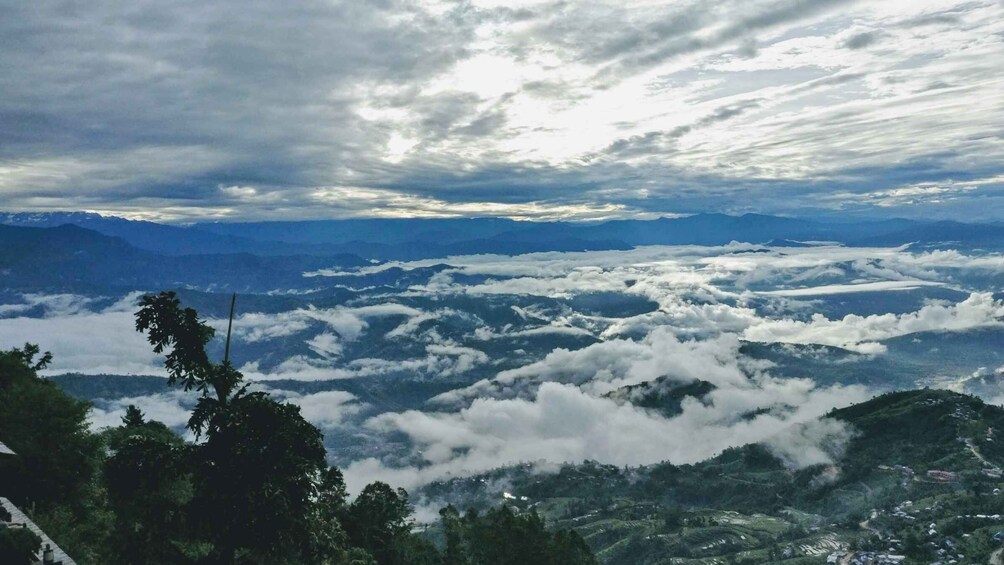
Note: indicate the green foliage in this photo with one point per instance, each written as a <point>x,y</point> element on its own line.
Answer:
<point>257,490</point>
<point>18,546</point>
<point>254,479</point>
<point>377,519</point>
<point>58,463</point>
<point>503,537</point>
<point>167,325</point>
<point>149,488</point>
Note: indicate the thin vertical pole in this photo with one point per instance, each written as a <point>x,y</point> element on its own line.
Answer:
<point>230,326</point>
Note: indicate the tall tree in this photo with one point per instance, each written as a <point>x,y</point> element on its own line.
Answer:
<point>256,473</point>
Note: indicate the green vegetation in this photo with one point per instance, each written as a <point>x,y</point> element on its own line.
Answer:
<point>255,488</point>
<point>745,506</point>
<point>18,546</point>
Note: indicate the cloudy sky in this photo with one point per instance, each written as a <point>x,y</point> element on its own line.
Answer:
<point>530,109</point>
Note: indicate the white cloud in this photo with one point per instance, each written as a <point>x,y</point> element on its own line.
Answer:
<point>327,409</point>
<point>609,365</point>
<point>173,408</point>
<point>851,288</point>
<point>255,326</point>
<point>86,342</point>
<point>326,345</point>
<point>811,443</point>
<point>862,333</point>
<point>565,424</point>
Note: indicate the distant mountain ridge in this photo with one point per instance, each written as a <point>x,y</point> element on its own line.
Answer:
<point>411,239</point>
<point>72,258</point>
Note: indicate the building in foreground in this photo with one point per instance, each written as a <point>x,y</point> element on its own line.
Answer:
<point>49,553</point>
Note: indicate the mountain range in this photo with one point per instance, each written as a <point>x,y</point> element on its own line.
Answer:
<point>410,239</point>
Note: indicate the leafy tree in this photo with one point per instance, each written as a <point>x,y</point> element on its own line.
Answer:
<point>168,325</point>
<point>47,429</point>
<point>18,546</point>
<point>149,487</point>
<point>255,477</point>
<point>133,417</point>
<point>503,537</point>
<point>59,459</point>
<point>455,552</point>
<point>329,542</point>
<point>377,519</point>
<point>255,474</point>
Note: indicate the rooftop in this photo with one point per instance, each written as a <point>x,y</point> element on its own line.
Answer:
<point>18,517</point>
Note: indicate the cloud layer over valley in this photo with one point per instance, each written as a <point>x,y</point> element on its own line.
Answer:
<point>454,366</point>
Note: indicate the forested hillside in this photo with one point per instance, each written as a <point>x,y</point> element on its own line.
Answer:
<point>747,506</point>
<point>254,488</point>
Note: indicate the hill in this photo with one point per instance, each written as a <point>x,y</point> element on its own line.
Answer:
<point>745,505</point>
<point>388,239</point>
<point>71,258</point>
<point>414,238</point>
<point>985,236</point>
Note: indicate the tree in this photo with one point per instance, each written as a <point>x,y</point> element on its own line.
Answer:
<point>377,518</point>
<point>504,537</point>
<point>149,484</point>
<point>254,479</point>
<point>256,472</point>
<point>329,543</point>
<point>18,546</point>
<point>149,488</point>
<point>133,417</point>
<point>168,325</point>
<point>59,459</point>
<point>455,552</point>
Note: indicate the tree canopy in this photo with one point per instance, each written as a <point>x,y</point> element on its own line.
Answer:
<point>255,489</point>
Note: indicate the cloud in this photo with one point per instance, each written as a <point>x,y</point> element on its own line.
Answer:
<point>564,424</point>
<point>815,442</point>
<point>851,288</point>
<point>862,333</point>
<point>327,409</point>
<point>552,110</point>
<point>172,408</point>
<point>255,327</point>
<point>53,305</point>
<point>440,360</point>
<point>862,40</point>
<point>606,366</point>
<point>82,341</point>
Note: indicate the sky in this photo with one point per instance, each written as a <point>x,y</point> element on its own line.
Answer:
<point>185,111</point>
